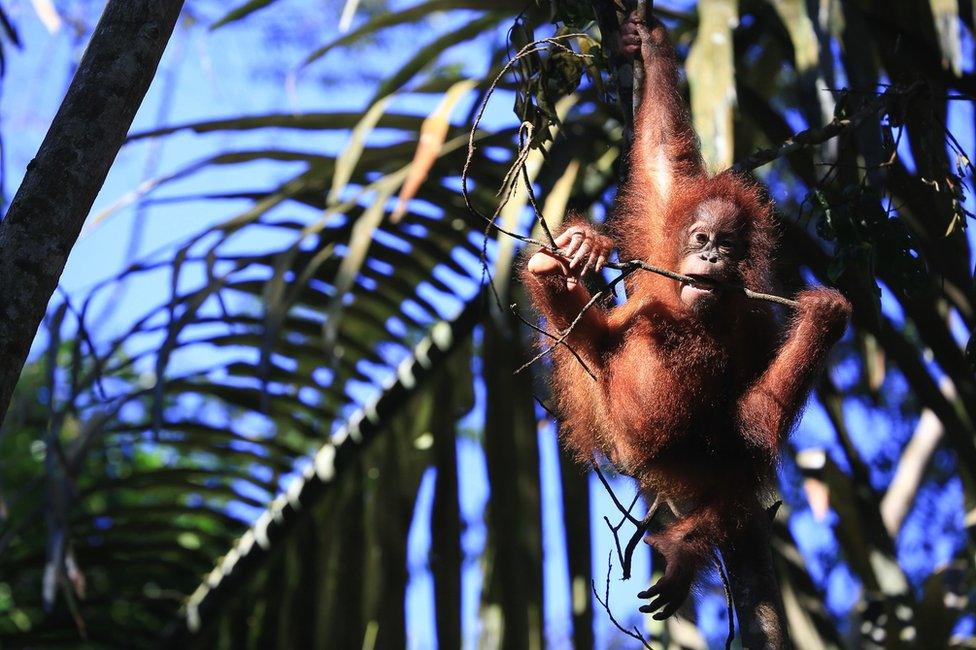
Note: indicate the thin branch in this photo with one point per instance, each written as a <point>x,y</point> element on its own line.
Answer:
<point>605,603</point>
<point>729,602</point>
<point>641,527</point>
<point>562,337</point>
<point>616,501</point>
<point>531,48</point>
<point>703,282</point>
<point>530,192</point>
<point>554,337</point>
<point>635,538</point>
<point>629,267</point>
<point>813,137</point>
<point>616,534</point>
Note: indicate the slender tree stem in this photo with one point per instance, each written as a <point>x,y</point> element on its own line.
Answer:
<point>62,181</point>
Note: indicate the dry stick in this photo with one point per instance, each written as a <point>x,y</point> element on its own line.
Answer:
<point>510,180</point>
<point>730,605</point>
<point>530,192</point>
<point>616,536</point>
<point>635,538</point>
<point>605,603</point>
<point>508,187</point>
<point>626,556</point>
<point>562,337</point>
<point>629,267</point>
<point>703,282</point>
<point>616,501</point>
<point>531,48</point>
<point>554,337</point>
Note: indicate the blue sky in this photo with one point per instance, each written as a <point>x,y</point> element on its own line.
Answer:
<point>242,69</point>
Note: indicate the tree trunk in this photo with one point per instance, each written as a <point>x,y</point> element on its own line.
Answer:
<point>64,178</point>
<point>755,589</point>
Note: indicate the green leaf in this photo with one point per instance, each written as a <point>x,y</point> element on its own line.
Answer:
<point>338,121</point>
<point>411,14</point>
<point>428,54</point>
<point>347,160</point>
<point>240,12</point>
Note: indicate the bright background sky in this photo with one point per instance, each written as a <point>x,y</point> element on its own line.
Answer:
<point>247,68</point>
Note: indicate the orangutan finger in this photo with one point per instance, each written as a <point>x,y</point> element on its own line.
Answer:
<point>581,253</point>
<point>575,242</point>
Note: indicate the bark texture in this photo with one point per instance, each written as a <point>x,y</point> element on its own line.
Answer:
<point>755,590</point>
<point>62,181</point>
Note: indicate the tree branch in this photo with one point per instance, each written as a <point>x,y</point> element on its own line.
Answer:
<point>633,633</point>
<point>64,178</point>
<point>755,588</point>
<point>915,458</point>
<point>813,137</point>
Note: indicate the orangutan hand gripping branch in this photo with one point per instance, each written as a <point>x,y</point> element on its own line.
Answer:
<point>696,388</point>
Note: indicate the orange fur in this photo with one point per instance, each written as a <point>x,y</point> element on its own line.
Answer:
<point>694,408</point>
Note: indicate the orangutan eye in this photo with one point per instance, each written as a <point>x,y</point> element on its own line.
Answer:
<point>727,245</point>
<point>700,238</point>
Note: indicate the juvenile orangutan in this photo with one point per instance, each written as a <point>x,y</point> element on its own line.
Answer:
<point>696,387</point>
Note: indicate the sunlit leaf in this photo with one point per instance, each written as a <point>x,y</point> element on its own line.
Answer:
<point>433,132</point>
<point>711,75</point>
<point>240,12</point>
<point>416,12</point>
<point>947,24</point>
<point>806,49</point>
<point>347,160</point>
